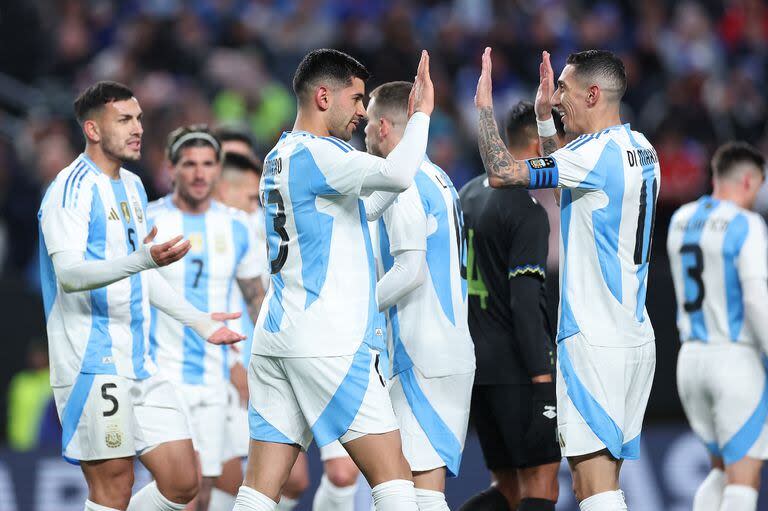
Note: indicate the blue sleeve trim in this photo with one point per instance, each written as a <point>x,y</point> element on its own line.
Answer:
<point>543,172</point>
<point>337,143</point>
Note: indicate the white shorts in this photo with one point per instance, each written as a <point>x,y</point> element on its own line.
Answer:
<point>293,400</point>
<point>724,391</point>
<point>108,416</point>
<point>206,409</point>
<point>237,440</point>
<point>602,393</point>
<point>332,451</point>
<point>433,414</point>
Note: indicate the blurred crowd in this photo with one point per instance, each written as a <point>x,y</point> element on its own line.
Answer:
<point>693,69</point>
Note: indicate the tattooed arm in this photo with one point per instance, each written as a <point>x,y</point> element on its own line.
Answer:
<point>253,294</point>
<point>502,170</point>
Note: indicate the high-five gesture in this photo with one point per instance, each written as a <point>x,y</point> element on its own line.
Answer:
<point>422,98</point>
<point>543,104</point>
<point>484,94</point>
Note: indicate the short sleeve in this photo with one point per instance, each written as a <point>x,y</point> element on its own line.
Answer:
<point>252,258</point>
<point>583,164</point>
<point>752,262</point>
<point>336,167</point>
<point>406,222</point>
<point>65,216</point>
<point>528,252</point>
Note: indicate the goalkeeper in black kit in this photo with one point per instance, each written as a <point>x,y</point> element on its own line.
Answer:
<point>513,401</point>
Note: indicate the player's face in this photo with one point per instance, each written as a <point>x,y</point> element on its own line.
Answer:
<point>243,193</point>
<point>347,110</point>
<point>569,100</point>
<point>196,172</point>
<point>372,138</point>
<point>120,128</point>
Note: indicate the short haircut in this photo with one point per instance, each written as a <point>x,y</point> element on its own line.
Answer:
<point>240,163</point>
<point>521,124</point>
<point>98,95</point>
<point>729,155</point>
<point>193,135</point>
<point>229,133</point>
<point>325,64</point>
<point>601,65</point>
<point>392,97</point>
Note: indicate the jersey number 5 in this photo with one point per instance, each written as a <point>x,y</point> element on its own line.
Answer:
<point>694,272</point>
<point>278,224</point>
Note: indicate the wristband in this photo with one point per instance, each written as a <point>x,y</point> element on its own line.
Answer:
<point>546,128</point>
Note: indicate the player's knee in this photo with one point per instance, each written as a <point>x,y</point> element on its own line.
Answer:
<point>341,472</point>
<point>115,488</point>
<point>297,483</point>
<point>184,487</point>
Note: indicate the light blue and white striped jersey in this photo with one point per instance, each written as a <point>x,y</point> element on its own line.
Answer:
<point>610,182</point>
<point>428,327</point>
<point>714,246</point>
<point>105,330</point>
<point>223,250</point>
<point>322,296</point>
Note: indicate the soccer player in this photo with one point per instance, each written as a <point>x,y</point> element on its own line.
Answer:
<point>513,401</point>
<point>718,252</point>
<point>609,176</point>
<point>421,248</point>
<point>223,254</point>
<point>237,140</point>
<point>314,368</point>
<point>98,280</point>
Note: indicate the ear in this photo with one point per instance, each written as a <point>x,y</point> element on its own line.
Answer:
<point>323,98</point>
<point>593,95</point>
<point>384,128</point>
<point>91,130</point>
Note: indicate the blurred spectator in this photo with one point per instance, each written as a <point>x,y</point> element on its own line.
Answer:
<point>29,393</point>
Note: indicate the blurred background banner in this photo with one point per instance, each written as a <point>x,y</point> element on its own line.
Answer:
<point>696,72</point>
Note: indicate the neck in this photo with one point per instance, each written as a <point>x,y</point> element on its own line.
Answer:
<point>106,164</point>
<point>389,144</point>
<point>725,192</point>
<point>604,120</point>
<point>195,208</point>
<point>311,123</point>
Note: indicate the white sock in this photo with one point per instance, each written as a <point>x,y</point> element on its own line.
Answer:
<point>431,500</point>
<point>149,498</point>
<point>330,497</point>
<point>92,506</point>
<point>395,495</point>
<point>285,504</point>
<point>220,500</point>
<point>710,492</point>
<point>738,497</point>
<point>249,499</point>
<point>605,501</point>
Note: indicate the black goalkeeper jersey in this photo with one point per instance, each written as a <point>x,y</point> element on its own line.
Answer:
<point>507,234</point>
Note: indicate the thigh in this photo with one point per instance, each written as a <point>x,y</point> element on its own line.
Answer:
<point>159,414</point>
<point>692,386</point>
<point>494,429</point>
<point>209,422</point>
<point>97,417</point>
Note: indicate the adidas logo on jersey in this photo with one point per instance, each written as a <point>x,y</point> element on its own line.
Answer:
<point>550,412</point>
<point>113,214</point>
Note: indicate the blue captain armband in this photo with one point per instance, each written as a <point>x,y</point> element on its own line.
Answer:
<point>543,172</point>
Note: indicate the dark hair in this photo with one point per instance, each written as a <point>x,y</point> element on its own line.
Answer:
<point>173,148</point>
<point>729,155</point>
<point>521,124</point>
<point>240,163</point>
<point>392,96</point>
<point>601,63</point>
<point>98,95</point>
<point>326,64</point>
<point>235,133</point>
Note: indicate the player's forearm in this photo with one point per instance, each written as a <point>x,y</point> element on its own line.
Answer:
<point>377,203</point>
<point>77,274</point>
<point>503,171</point>
<point>396,172</point>
<point>165,298</point>
<point>755,292</point>
<point>530,325</point>
<point>549,144</point>
<point>407,273</point>
<point>253,294</point>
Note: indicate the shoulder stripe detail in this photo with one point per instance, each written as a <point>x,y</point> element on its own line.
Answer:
<point>582,142</point>
<point>336,143</point>
<point>342,142</point>
<point>575,141</point>
<point>70,179</point>
<point>79,183</point>
<point>528,269</point>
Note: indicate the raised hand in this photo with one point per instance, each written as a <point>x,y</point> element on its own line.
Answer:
<point>543,104</point>
<point>484,94</point>
<point>422,98</point>
<point>168,252</point>
<point>224,335</point>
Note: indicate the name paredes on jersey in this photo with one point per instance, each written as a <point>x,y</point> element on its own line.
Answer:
<point>642,156</point>
<point>712,224</point>
<point>273,166</point>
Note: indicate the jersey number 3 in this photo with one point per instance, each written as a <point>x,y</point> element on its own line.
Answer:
<point>694,272</point>
<point>278,224</point>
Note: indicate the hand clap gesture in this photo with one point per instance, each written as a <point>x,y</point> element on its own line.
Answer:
<point>422,98</point>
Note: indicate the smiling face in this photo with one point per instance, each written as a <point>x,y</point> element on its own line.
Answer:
<point>570,100</point>
<point>119,129</point>
<point>346,110</point>
<point>195,174</point>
